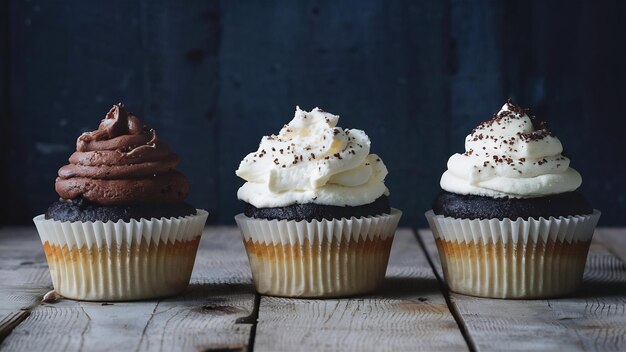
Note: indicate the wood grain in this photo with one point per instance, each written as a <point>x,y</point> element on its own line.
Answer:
<point>594,318</point>
<point>407,314</point>
<point>613,239</point>
<point>213,314</point>
<point>24,276</point>
<point>218,311</point>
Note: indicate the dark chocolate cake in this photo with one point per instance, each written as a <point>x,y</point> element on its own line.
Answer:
<point>478,207</point>
<point>82,210</point>
<point>313,211</point>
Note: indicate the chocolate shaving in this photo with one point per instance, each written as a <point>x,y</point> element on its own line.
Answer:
<point>51,297</point>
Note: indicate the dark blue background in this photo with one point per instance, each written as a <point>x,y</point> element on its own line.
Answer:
<point>214,76</point>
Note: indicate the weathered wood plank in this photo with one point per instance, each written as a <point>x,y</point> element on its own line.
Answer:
<point>408,314</point>
<point>23,274</point>
<point>213,314</point>
<point>218,311</point>
<point>594,318</point>
<point>613,239</point>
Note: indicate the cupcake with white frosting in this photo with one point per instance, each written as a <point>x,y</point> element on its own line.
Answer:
<point>509,222</point>
<point>316,220</point>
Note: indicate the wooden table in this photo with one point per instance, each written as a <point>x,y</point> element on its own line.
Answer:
<point>222,312</point>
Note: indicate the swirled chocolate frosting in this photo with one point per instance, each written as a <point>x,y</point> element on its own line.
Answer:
<point>122,162</point>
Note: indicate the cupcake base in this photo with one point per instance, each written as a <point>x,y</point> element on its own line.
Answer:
<point>121,272</point>
<point>326,269</point>
<point>522,259</point>
<point>327,258</point>
<point>121,261</point>
<point>530,270</point>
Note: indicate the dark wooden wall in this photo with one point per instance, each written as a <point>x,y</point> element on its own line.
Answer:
<point>214,76</point>
<point>5,129</point>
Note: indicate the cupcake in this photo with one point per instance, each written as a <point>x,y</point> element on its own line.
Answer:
<point>509,222</point>
<point>316,220</point>
<point>121,229</point>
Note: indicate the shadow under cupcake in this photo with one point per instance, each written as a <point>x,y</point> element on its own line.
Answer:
<point>317,220</point>
<point>509,223</point>
<point>121,229</point>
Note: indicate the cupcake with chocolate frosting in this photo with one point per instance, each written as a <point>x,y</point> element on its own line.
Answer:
<point>316,220</point>
<point>121,217</point>
<point>509,222</point>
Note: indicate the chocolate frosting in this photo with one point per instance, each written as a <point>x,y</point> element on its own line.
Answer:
<point>122,162</point>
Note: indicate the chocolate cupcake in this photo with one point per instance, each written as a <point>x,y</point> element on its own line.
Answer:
<point>509,222</point>
<point>121,229</point>
<point>317,220</point>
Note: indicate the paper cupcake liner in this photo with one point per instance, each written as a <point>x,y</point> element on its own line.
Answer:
<point>121,261</point>
<point>326,258</point>
<point>533,258</point>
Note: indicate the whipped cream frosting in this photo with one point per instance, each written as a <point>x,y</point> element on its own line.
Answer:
<point>513,156</point>
<point>311,160</point>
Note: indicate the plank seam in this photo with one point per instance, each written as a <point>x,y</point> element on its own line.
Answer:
<point>85,329</point>
<point>456,314</point>
<point>254,320</point>
<point>22,315</point>
<point>145,328</point>
<point>8,329</point>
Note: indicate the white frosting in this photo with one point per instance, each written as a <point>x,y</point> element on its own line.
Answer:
<point>507,157</point>
<point>312,161</point>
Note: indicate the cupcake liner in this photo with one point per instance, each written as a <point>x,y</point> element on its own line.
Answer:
<point>120,261</point>
<point>326,258</point>
<point>532,258</point>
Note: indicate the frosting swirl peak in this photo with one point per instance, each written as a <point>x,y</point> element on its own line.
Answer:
<point>312,160</point>
<point>511,155</point>
<point>122,162</point>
